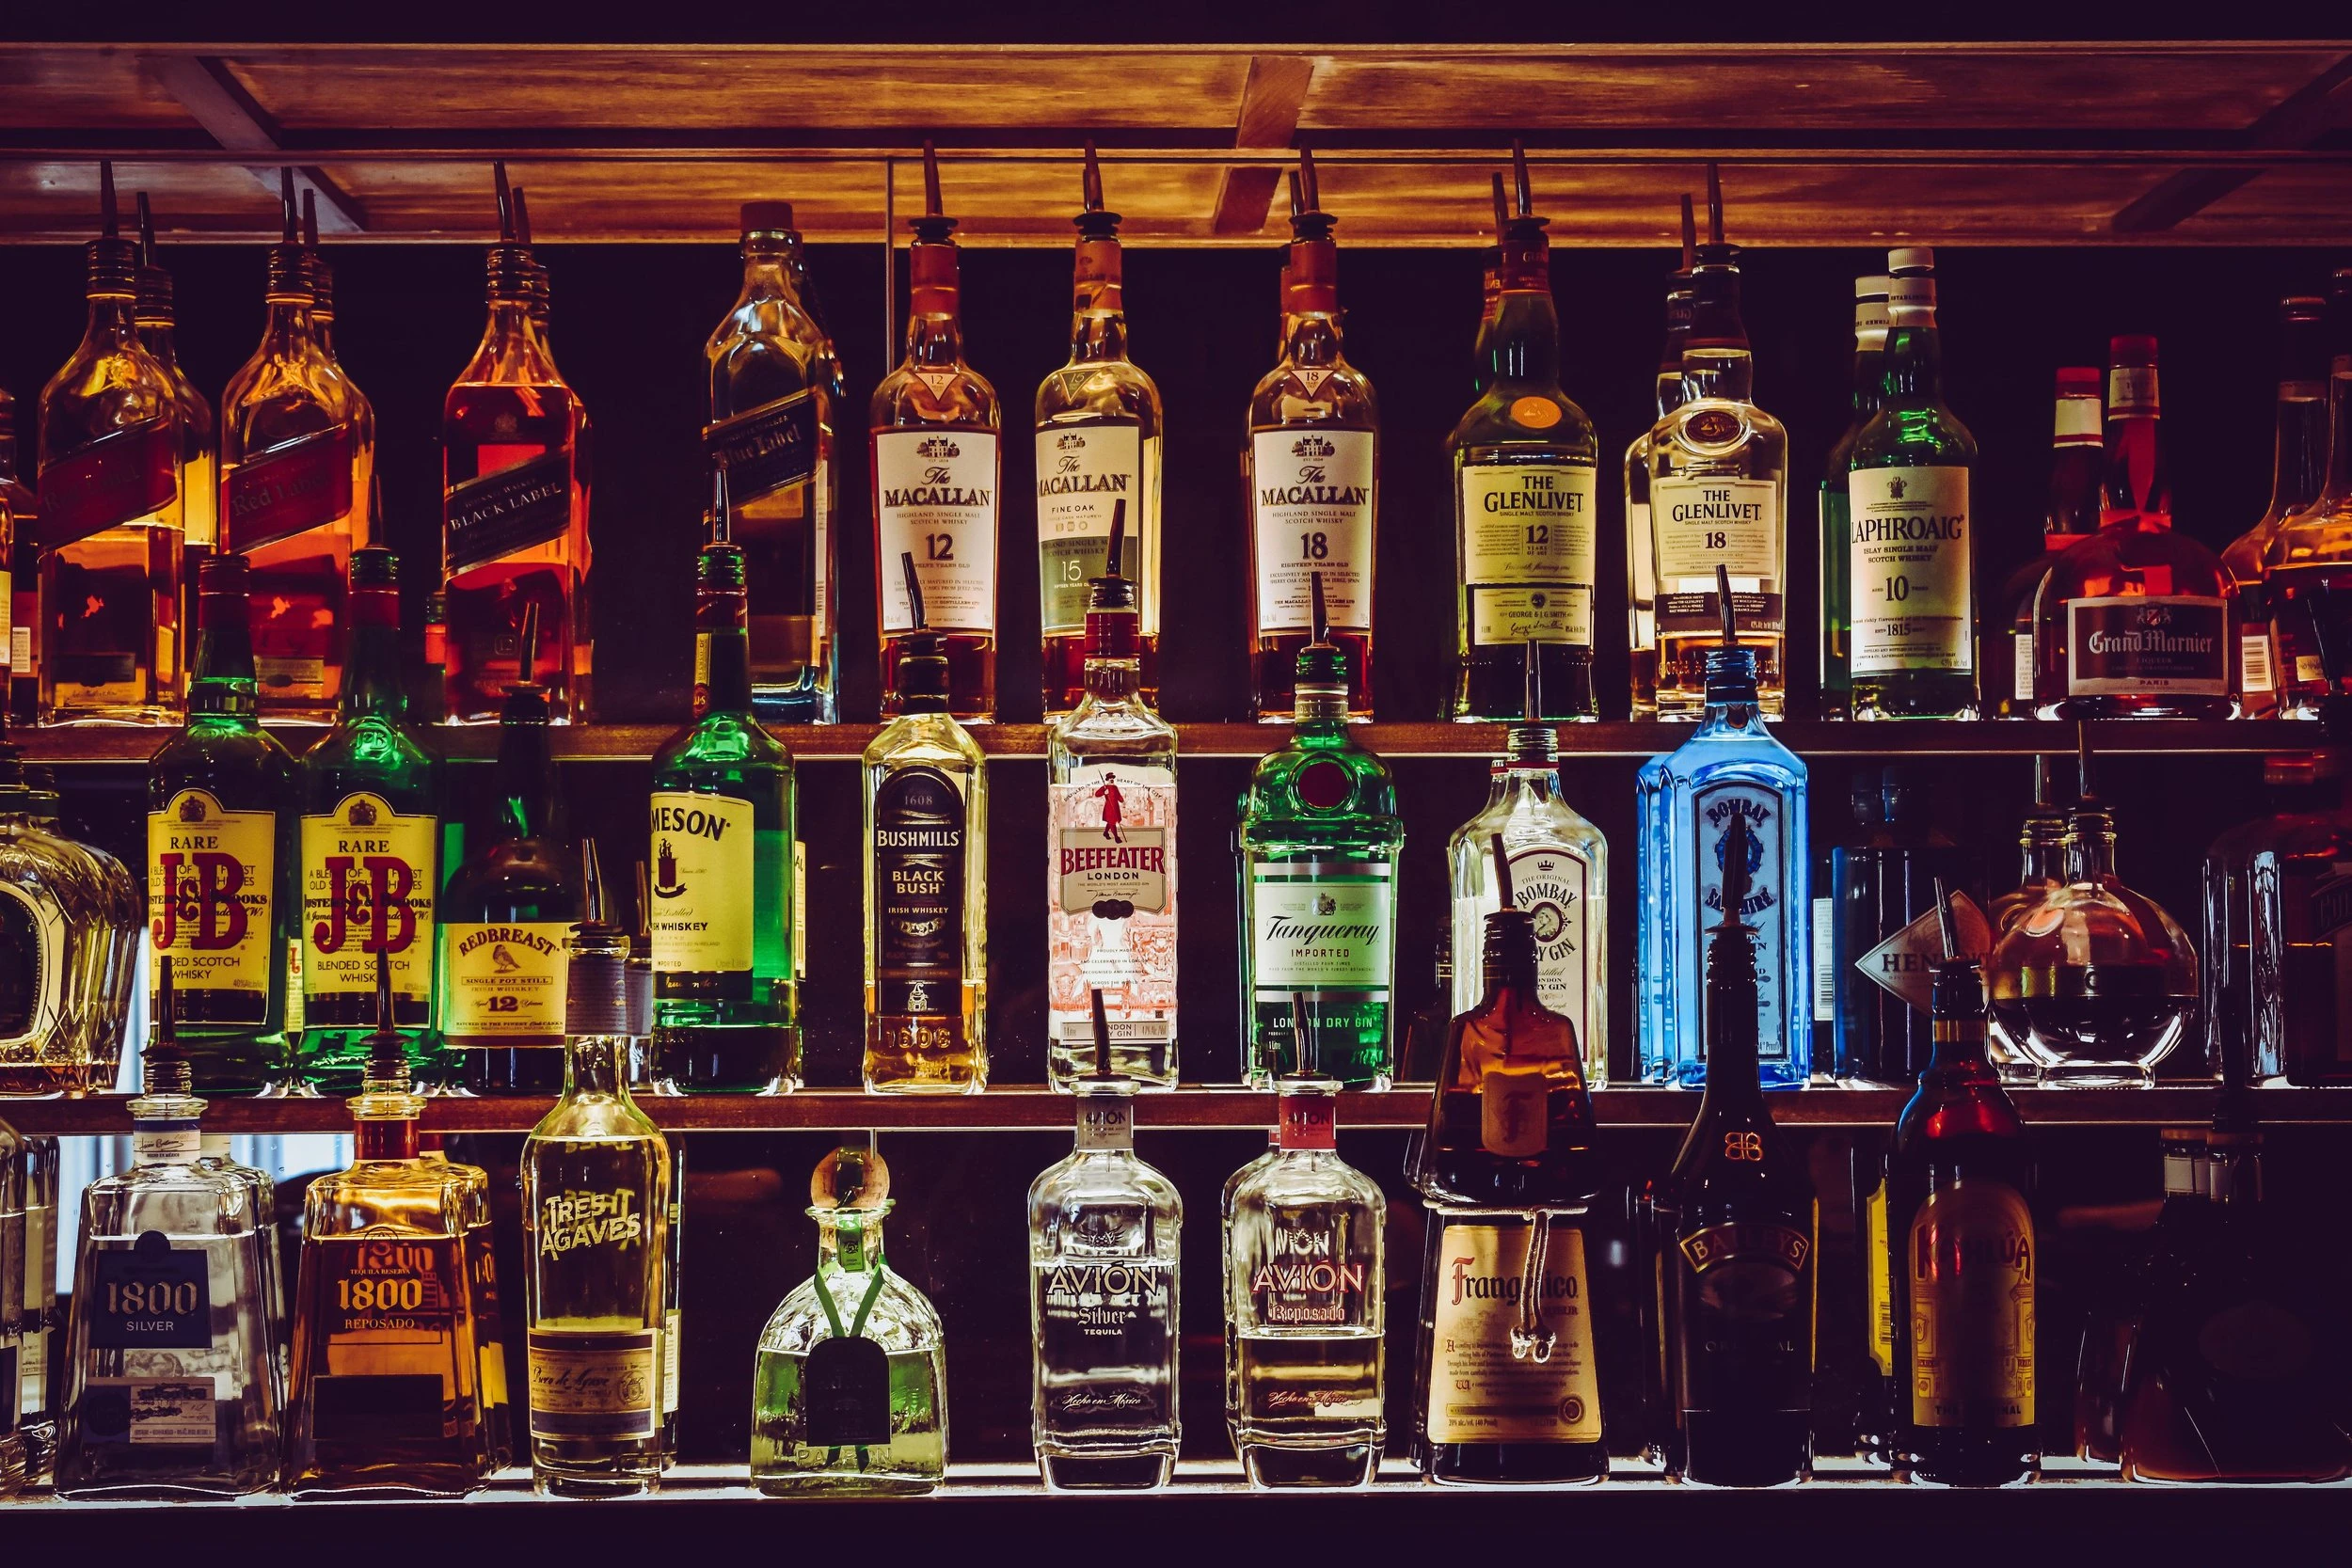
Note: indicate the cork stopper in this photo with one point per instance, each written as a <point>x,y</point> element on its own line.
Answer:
<point>849,1181</point>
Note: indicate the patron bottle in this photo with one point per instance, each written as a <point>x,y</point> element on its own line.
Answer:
<point>23,562</point>
<point>514,505</point>
<point>363,491</point>
<point>223,853</point>
<point>1312,473</point>
<point>198,447</point>
<point>2298,472</point>
<point>1526,468</point>
<point>2312,555</point>
<point>726,1001</point>
<point>2070,515</point>
<point>1320,839</point>
<point>936,423</point>
<point>1098,446</point>
<point>1870,370</point>
<point>111,509</point>
<point>771,421</point>
<point>926,879</point>
<point>1640,550</point>
<point>1737,1225</point>
<point>371,853</point>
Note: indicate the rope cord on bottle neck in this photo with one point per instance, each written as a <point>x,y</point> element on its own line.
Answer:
<point>1532,1339</point>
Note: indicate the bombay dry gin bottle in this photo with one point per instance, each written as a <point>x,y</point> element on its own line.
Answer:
<point>1736,1226</point>
<point>172,1381</point>
<point>595,1177</point>
<point>223,850</point>
<point>371,869</point>
<point>293,477</point>
<point>1103,1233</point>
<point>1110,906</point>
<point>1559,874</point>
<point>1311,471</point>
<point>1718,495</point>
<point>200,447</point>
<point>936,423</point>
<point>1640,550</point>
<point>770,419</point>
<point>925,881</point>
<point>1307,1298</point>
<point>1869,366</point>
<point>1098,446</point>
<point>726,1000</point>
<point>112,511</point>
<point>849,1387</point>
<point>1730,772</point>
<point>1320,839</point>
<point>1526,468</point>
<point>514,504</point>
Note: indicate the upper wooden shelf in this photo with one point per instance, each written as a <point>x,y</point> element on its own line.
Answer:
<point>2214,142</point>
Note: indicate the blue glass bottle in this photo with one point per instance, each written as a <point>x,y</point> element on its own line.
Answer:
<point>1731,767</point>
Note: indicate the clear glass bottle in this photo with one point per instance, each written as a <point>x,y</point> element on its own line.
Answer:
<point>1869,367</point>
<point>1307,1294</point>
<point>216,1155</point>
<point>1098,446</point>
<point>1104,1235</point>
<point>490,1322</point>
<point>2307,559</point>
<point>2276,992</point>
<point>199,497</point>
<point>849,1387</point>
<point>1640,550</point>
<point>771,417</point>
<point>596,1181</point>
<point>2070,515</point>
<point>1225,1258</point>
<point>60,964</point>
<point>171,1376</point>
<point>2298,472</point>
<point>1110,881</point>
<point>113,950</point>
<point>363,489</point>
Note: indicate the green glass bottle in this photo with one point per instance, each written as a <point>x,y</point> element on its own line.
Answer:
<point>370,851</point>
<point>1911,586</point>
<point>1320,839</point>
<point>725,1001</point>
<point>221,857</point>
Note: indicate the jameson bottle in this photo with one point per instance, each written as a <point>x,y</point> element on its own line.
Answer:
<point>1526,468</point>
<point>726,1003</point>
<point>222,852</point>
<point>507,915</point>
<point>1870,365</point>
<point>1098,446</point>
<point>370,852</point>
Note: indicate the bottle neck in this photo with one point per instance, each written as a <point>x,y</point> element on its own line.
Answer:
<point>372,684</point>
<point>2094,839</point>
<point>2043,842</point>
<point>851,1245</point>
<point>1727,374</point>
<point>1523,345</point>
<point>934,320</point>
<point>222,681</point>
<point>1733,1075</point>
<point>767,269</point>
<point>1869,373</point>
<point>386,1138</point>
<point>723,669</point>
<point>113,320</point>
<point>1098,314</point>
<point>289,330</point>
<point>2340,427</point>
<point>1319,708</point>
<point>1536,781</point>
<point>1113,680</point>
<point>1956,1014</point>
<point>526,778</point>
<point>1914,372</point>
<point>155,336</point>
<point>592,1065</point>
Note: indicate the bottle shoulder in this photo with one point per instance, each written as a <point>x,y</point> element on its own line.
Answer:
<point>1307,1181</point>
<point>372,753</point>
<point>934,739</point>
<point>1097,391</point>
<point>1528,822</point>
<point>904,401</point>
<point>1521,422</point>
<point>900,1320</point>
<point>1925,436</point>
<point>237,757</point>
<point>600,1119</point>
<point>730,740</point>
<point>1128,730</point>
<point>1341,397</point>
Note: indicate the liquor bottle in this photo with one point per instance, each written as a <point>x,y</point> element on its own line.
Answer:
<point>38,1162</point>
<point>1308,1299</point>
<point>1526,470</point>
<point>926,877</point>
<point>514,504</point>
<point>2298,471</point>
<point>506,914</point>
<point>13,1457</point>
<point>1559,872</point>
<point>22,560</point>
<point>363,492</point>
<point>1909,568</point>
<point>384,1395</point>
<point>1836,513</point>
<point>1110,905</point>
<point>1225,1258</point>
<point>57,895</point>
<point>1312,476</point>
<point>111,506</point>
<point>291,461</point>
<point>2119,1297</point>
<point>371,847</point>
<point>726,1007</point>
<point>199,455</point>
<point>1963,1254</point>
<point>490,1322</point>
<point>2275,993</point>
<point>1098,446</point>
<point>171,1379</point>
<point>222,855</point>
<point>595,1177</point>
<point>673,1320</point>
<point>1737,1227</point>
<point>215,1155</point>
<point>1731,770</point>
<point>2138,619</point>
<point>2070,515</point>
<point>771,417</point>
<point>116,935</point>
<point>2045,842</point>
<point>934,424</point>
<point>849,1387</point>
<point>1719,494</point>
<point>1489,292</point>
<point>1319,840</point>
<point>1641,551</point>
<point>1103,1234</point>
<point>2307,560</point>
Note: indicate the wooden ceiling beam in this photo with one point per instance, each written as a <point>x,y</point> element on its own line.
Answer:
<point>1272,99</point>
<point>215,100</point>
<point>2312,111</point>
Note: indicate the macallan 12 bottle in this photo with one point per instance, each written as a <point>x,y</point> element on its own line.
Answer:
<point>935,427</point>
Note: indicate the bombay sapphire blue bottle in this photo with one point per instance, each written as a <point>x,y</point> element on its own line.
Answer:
<point>1730,768</point>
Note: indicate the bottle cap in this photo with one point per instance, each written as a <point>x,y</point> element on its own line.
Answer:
<point>767,217</point>
<point>853,1181</point>
<point>1322,663</point>
<point>933,228</point>
<point>922,653</point>
<point>596,986</point>
<point>112,263</point>
<point>2131,349</point>
<point>1910,259</point>
<point>2079,381</point>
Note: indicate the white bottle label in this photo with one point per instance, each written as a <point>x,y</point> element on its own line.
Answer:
<point>1479,1390</point>
<point>1553,883</point>
<point>1716,520</point>
<point>2255,672</point>
<point>1528,552</point>
<point>1907,567</point>
<point>1111,907</point>
<point>935,498</point>
<point>2021,666</point>
<point>1321,927</point>
<point>1311,512</point>
<point>1083,473</point>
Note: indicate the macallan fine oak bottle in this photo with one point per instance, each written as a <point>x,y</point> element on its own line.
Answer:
<point>514,505</point>
<point>1312,473</point>
<point>935,425</point>
<point>1640,550</point>
<point>1098,445</point>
